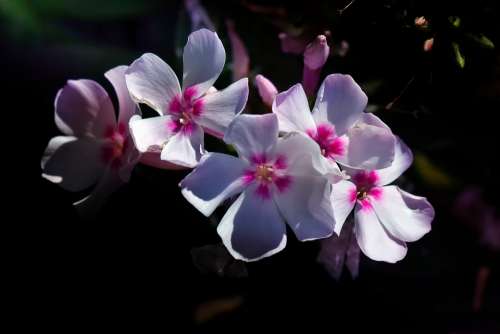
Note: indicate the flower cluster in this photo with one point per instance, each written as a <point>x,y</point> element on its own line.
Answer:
<point>294,167</point>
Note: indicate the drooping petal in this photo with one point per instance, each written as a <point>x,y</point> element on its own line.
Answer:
<point>128,108</point>
<point>203,60</point>
<point>306,206</point>
<point>220,108</point>
<point>340,101</point>
<point>252,228</point>
<point>343,199</point>
<point>150,134</point>
<point>151,81</point>
<point>293,111</point>
<point>253,134</point>
<point>369,147</point>
<point>405,216</point>
<point>184,149</point>
<point>216,178</point>
<point>373,239</point>
<point>403,157</point>
<point>74,164</point>
<point>83,108</point>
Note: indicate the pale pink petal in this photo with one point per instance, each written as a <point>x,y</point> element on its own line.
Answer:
<point>293,111</point>
<point>241,60</point>
<point>403,157</point>
<point>343,199</point>
<point>83,108</point>
<point>184,149</point>
<point>150,134</point>
<point>203,60</point>
<point>252,228</point>
<point>405,216</point>
<point>151,81</point>
<point>371,119</point>
<point>128,107</point>
<point>373,239</point>
<point>267,90</point>
<point>216,178</point>
<point>340,101</point>
<point>74,164</point>
<point>253,134</point>
<point>220,108</point>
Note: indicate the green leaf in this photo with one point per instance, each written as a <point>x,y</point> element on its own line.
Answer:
<point>459,58</point>
<point>482,40</point>
<point>432,174</point>
<point>455,21</point>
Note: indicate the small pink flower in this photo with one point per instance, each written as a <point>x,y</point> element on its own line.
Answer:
<point>278,179</point>
<point>267,90</point>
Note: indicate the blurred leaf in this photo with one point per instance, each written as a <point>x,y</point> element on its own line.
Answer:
<point>482,40</point>
<point>213,308</point>
<point>459,58</point>
<point>455,21</point>
<point>431,174</point>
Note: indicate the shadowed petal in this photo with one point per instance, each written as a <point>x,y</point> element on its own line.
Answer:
<point>128,108</point>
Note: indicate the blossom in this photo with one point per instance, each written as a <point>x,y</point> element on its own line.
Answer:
<point>338,124</point>
<point>385,217</point>
<point>178,133</point>
<point>266,88</point>
<point>276,179</point>
<point>96,149</point>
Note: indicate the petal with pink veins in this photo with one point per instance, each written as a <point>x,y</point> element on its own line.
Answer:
<point>203,60</point>
<point>292,109</point>
<point>343,199</point>
<point>405,216</point>
<point>184,149</point>
<point>83,108</point>
<point>127,107</point>
<point>216,178</point>
<point>151,81</point>
<point>252,228</point>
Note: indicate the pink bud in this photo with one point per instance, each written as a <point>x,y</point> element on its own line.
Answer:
<point>421,22</point>
<point>267,90</point>
<point>316,53</point>
<point>241,60</point>
<point>428,44</point>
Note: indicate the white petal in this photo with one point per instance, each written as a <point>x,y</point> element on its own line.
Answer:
<point>150,133</point>
<point>369,147</point>
<point>220,108</point>
<point>343,199</point>
<point>405,216</point>
<point>307,208</point>
<point>292,109</point>
<point>74,164</point>
<point>216,178</point>
<point>128,107</point>
<point>252,228</point>
<point>203,60</point>
<point>83,108</point>
<point>373,239</point>
<point>340,101</point>
<point>184,149</point>
<point>371,119</point>
<point>403,157</point>
<point>253,134</point>
<point>151,81</point>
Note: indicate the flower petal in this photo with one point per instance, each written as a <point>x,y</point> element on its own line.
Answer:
<point>293,111</point>
<point>151,81</point>
<point>373,239</point>
<point>253,134</point>
<point>252,228</point>
<point>83,108</point>
<point>74,164</point>
<point>340,101</point>
<point>128,108</point>
<point>150,134</point>
<point>203,60</point>
<point>403,157</point>
<point>307,208</point>
<point>405,216</point>
<point>216,178</point>
<point>343,199</point>
<point>371,119</point>
<point>184,149</point>
<point>220,108</point>
<point>369,147</point>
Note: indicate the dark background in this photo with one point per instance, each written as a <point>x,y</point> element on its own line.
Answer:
<point>131,267</point>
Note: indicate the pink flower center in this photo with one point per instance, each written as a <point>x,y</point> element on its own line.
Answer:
<point>116,144</point>
<point>366,187</point>
<point>269,174</point>
<point>331,145</point>
<point>185,109</point>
